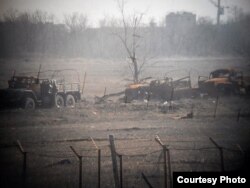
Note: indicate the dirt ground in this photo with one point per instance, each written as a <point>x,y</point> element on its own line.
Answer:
<point>47,134</point>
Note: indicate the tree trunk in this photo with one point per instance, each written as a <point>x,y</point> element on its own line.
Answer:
<point>136,72</point>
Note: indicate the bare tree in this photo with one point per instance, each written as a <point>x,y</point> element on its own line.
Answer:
<point>10,15</point>
<point>131,39</point>
<point>41,17</point>
<point>75,22</point>
<point>236,13</point>
<point>110,22</point>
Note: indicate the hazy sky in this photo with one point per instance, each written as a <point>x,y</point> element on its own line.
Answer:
<point>97,9</point>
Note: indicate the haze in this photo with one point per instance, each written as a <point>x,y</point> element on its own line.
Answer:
<point>98,9</point>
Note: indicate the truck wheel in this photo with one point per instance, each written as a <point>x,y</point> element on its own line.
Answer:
<point>29,104</point>
<point>70,101</point>
<point>59,101</point>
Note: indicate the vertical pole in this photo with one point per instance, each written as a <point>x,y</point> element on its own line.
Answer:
<point>24,162</point>
<point>99,168</point>
<point>114,161</point>
<point>216,104</point>
<point>169,168</point>
<point>165,166</point>
<point>99,162</point>
<point>104,93</point>
<point>121,170</point>
<point>218,13</point>
<point>80,165</point>
<point>83,84</point>
<point>221,159</point>
<point>221,154</point>
<point>38,74</point>
<point>24,167</point>
<point>80,171</point>
<point>166,154</point>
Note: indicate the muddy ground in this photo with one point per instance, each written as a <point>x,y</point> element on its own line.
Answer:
<point>47,134</point>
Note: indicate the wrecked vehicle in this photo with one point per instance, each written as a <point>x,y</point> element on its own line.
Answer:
<point>224,82</point>
<point>161,89</point>
<point>68,92</point>
<point>30,92</point>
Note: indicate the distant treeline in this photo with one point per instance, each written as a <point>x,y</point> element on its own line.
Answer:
<point>27,34</point>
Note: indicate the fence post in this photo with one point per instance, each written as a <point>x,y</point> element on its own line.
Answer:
<point>216,104</point>
<point>24,163</point>
<point>80,165</point>
<point>99,162</point>
<point>169,167</point>
<point>80,171</point>
<point>114,161</point>
<point>221,153</point>
<point>121,170</point>
<point>99,168</point>
<point>166,153</point>
<point>165,165</point>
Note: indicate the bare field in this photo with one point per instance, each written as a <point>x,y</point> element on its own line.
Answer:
<point>47,134</point>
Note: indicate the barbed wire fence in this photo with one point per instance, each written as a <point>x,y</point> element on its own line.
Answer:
<point>140,162</point>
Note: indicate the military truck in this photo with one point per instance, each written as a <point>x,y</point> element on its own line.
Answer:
<point>226,81</point>
<point>30,92</point>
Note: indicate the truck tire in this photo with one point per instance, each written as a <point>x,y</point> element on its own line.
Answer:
<point>29,104</point>
<point>59,101</point>
<point>70,101</point>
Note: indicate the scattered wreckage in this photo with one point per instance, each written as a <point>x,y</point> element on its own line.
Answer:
<point>219,82</point>
<point>30,92</point>
<point>224,82</point>
<point>165,89</point>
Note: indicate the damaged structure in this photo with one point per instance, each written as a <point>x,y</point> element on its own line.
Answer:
<point>224,82</point>
<point>161,89</point>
